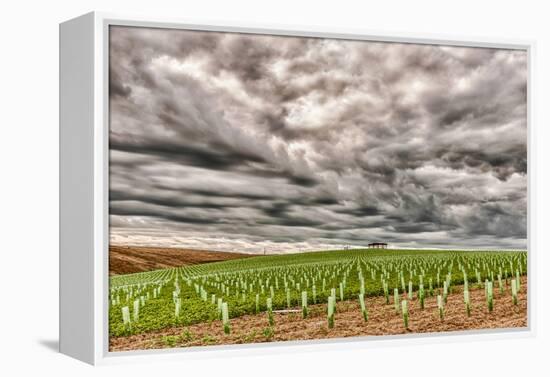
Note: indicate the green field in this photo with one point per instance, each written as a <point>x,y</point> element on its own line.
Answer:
<point>187,295</point>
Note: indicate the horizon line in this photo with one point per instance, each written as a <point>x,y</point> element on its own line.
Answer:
<point>260,253</point>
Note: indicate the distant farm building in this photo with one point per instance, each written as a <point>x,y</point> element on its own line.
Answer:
<point>378,245</point>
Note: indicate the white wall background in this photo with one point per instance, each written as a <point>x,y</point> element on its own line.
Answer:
<point>29,184</point>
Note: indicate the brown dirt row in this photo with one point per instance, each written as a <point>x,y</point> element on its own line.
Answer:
<point>349,322</point>
<point>131,259</point>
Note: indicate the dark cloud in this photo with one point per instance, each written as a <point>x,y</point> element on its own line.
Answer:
<point>237,141</point>
<point>142,210</point>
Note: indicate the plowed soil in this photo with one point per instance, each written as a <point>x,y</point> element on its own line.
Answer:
<point>383,320</point>
<point>130,259</point>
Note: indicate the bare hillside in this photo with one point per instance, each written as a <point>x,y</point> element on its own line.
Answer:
<point>130,259</point>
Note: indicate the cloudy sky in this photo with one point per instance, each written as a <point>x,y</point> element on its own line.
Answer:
<point>239,142</point>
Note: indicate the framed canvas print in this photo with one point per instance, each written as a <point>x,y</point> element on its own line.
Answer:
<point>227,188</point>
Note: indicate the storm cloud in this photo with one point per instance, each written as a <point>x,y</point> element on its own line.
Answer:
<point>241,142</point>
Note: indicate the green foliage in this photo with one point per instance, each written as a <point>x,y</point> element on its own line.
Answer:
<point>151,298</point>
<point>208,340</point>
<point>187,336</point>
<point>268,333</point>
<point>170,340</point>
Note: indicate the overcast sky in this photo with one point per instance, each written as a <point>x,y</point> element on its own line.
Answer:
<point>239,142</point>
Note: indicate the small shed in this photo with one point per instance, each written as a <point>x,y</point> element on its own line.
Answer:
<point>378,245</point>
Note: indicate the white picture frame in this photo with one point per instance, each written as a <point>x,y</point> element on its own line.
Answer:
<point>84,189</point>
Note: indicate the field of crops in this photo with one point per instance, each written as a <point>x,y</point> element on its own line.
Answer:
<point>262,285</point>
